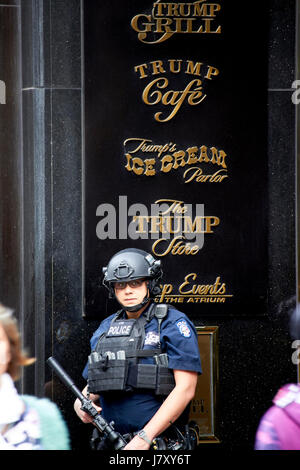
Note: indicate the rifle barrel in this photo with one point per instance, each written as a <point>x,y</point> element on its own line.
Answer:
<point>65,378</point>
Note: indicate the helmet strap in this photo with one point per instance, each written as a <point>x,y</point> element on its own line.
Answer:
<point>136,308</point>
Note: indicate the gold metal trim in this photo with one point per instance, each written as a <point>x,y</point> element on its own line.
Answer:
<point>204,405</point>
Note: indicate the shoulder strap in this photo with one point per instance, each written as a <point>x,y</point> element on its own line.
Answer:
<point>159,311</point>
<point>117,316</point>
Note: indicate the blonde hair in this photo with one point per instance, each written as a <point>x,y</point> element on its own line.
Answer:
<point>18,356</point>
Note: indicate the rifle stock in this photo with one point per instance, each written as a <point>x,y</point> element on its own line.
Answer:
<point>86,405</point>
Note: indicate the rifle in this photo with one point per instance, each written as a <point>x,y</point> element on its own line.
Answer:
<point>86,405</point>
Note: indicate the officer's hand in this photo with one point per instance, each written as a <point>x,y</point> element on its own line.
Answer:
<point>85,417</point>
<point>137,443</point>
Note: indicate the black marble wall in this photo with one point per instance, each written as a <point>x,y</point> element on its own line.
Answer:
<point>52,153</point>
<point>41,215</point>
<point>10,157</point>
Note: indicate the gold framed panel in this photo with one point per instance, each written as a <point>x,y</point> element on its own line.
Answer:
<point>202,415</point>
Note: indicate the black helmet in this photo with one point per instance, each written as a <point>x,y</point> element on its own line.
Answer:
<point>130,264</point>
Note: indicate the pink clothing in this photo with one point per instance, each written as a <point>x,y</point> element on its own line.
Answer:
<point>279,428</point>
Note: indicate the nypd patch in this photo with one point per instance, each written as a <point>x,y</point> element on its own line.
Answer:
<point>183,328</point>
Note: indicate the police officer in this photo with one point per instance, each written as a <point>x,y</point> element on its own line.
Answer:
<point>143,369</point>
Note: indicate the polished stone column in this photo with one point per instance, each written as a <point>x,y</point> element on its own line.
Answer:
<point>10,157</point>
<point>52,152</point>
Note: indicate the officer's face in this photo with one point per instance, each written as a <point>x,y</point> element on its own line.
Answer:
<point>132,294</point>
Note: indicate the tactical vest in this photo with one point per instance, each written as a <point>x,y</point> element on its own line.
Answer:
<point>115,362</point>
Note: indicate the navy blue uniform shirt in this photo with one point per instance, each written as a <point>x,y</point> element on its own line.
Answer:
<point>132,410</point>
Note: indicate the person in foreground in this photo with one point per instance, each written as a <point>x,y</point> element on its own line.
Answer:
<point>26,422</point>
<point>143,369</point>
<point>279,428</point>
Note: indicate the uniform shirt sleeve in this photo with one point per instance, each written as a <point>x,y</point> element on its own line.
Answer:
<point>180,341</point>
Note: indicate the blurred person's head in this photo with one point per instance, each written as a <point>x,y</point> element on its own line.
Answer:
<point>12,356</point>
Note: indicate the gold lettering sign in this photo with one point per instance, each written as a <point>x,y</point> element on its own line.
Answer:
<point>165,158</point>
<point>176,220</point>
<point>177,228</point>
<point>194,290</point>
<point>171,18</point>
<point>159,92</point>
